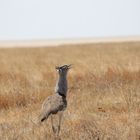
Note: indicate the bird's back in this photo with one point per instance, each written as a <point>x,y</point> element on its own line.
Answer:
<point>52,105</point>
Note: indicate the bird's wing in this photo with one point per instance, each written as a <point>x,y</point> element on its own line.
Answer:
<point>51,105</point>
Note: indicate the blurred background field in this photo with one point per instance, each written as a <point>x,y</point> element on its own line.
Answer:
<point>103,98</point>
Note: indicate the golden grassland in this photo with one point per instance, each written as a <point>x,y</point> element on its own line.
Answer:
<point>103,97</point>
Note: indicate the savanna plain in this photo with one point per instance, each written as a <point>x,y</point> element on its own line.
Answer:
<point>103,95</point>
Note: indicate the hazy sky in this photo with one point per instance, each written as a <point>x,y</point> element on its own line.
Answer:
<point>47,19</point>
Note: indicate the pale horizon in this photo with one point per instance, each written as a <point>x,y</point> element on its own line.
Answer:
<point>68,41</point>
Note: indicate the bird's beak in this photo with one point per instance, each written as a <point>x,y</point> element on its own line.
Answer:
<point>70,66</point>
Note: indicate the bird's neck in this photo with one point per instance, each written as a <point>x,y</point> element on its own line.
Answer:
<point>61,85</point>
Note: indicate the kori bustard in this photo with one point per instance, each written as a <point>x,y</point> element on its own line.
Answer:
<point>57,103</point>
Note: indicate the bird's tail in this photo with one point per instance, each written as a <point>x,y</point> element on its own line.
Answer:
<point>43,116</point>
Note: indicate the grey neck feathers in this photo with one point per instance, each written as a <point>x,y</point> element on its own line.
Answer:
<point>61,85</point>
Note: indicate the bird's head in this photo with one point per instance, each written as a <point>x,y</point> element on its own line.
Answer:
<point>62,70</point>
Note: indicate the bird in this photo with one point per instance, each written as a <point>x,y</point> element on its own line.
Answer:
<point>56,104</point>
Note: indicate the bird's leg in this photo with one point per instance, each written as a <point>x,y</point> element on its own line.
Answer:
<point>53,127</point>
<point>60,115</point>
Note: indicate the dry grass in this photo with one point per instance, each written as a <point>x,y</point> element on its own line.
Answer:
<point>103,99</point>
